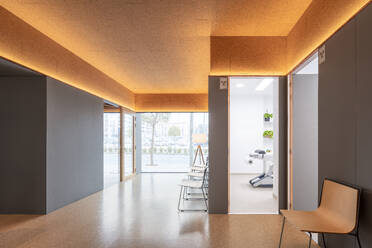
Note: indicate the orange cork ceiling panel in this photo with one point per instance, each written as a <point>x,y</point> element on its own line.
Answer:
<point>248,55</point>
<point>252,55</point>
<point>163,46</point>
<point>157,46</point>
<point>25,45</point>
<point>257,17</point>
<point>319,22</point>
<point>172,102</point>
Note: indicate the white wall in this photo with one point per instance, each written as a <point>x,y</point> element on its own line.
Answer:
<point>246,129</point>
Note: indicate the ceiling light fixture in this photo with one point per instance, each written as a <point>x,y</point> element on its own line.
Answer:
<point>239,85</point>
<point>263,84</point>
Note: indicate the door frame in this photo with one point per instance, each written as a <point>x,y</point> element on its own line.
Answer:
<point>303,63</point>
<point>283,139</point>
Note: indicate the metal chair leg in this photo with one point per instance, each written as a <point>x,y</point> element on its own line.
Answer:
<point>185,190</point>
<point>324,243</point>
<point>281,233</point>
<point>357,236</point>
<point>310,238</point>
<point>179,199</point>
<point>205,200</point>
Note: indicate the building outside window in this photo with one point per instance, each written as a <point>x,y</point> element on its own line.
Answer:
<point>111,145</point>
<point>167,140</point>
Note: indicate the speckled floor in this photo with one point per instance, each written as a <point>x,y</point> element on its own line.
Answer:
<point>141,212</point>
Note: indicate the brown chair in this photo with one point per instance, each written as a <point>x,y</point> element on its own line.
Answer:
<point>338,212</point>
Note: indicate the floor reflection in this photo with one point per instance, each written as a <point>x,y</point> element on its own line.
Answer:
<point>142,212</point>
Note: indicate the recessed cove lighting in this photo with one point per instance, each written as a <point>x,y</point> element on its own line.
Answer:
<point>239,85</point>
<point>264,83</point>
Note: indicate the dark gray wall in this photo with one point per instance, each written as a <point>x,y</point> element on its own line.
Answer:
<point>51,143</point>
<point>345,116</point>
<point>218,147</point>
<point>305,141</point>
<point>364,120</point>
<point>8,68</point>
<point>74,144</point>
<point>22,144</point>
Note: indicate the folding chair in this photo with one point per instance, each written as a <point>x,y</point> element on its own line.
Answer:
<point>194,184</point>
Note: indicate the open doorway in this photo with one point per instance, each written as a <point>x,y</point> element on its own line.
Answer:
<point>253,160</point>
<point>305,135</point>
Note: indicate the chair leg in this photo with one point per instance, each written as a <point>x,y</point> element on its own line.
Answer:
<point>323,238</point>
<point>310,238</point>
<point>281,233</point>
<point>205,199</point>
<point>179,199</point>
<point>357,236</point>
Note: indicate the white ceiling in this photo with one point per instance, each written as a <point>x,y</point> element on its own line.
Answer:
<point>247,86</point>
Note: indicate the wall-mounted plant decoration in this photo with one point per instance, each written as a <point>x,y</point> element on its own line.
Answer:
<point>268,116</point>
<point>268,134</point>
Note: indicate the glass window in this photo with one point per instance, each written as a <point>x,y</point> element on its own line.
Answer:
<point>128,144</point>
<point>200,134</point>
<point>111,144</point>
<point>167,140</point>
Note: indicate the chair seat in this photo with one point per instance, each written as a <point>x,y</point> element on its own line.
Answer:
<point>318,221</point>
<point>195,174</point>
<point>191,183</point>
<point>198,168</point>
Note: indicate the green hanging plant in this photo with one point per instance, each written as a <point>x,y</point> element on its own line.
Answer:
<point>268,116</point>
<point>268,134</point>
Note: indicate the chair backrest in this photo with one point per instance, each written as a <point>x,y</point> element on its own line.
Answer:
<point>341,201</point>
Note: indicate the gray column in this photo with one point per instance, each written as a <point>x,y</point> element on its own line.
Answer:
<point>218,147</point>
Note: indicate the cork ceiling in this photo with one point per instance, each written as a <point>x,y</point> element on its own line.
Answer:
<point>154,46</point>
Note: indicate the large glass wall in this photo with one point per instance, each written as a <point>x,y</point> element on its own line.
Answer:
<point>128,144</point>
<point>111,145</point>
<point>169,140</point>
